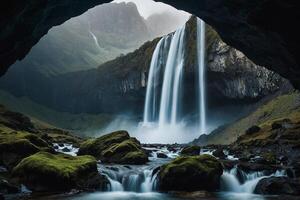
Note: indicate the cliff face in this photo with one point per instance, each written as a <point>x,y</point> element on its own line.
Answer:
<point>263,30</point>
<point>120,85</point>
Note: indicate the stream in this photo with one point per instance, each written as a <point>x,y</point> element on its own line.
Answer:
<point>138,182</point>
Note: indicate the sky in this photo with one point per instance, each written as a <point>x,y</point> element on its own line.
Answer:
<point>149,7</point>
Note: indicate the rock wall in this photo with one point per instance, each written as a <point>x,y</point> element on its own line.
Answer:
<point>120,85</point>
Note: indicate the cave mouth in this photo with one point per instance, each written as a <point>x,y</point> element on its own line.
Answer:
<point>99,64</point>
<point>138,100</point>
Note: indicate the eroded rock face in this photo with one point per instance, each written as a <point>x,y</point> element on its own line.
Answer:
<point>263,30</point>
<point>184,173</point>
<point>120,85</point>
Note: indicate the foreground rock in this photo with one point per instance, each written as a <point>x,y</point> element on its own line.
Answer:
<point>14,146</point>
<point>116,147</point>
<point>192,173</point>
<point>190,151</point>
<point>278,186</point>
<point>48,172</point>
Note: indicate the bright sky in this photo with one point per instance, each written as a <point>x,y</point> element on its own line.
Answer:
<point>149,7</point>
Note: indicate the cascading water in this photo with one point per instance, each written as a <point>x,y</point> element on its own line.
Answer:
<point>163,103</point>
<point>201,74</point>
<point>231,183</point>
<point>130,178</point>
<point>94,38</point>
<point>169,104</point>
<point>154,72</point>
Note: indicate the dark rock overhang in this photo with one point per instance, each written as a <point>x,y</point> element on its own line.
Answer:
<point>264,30</point>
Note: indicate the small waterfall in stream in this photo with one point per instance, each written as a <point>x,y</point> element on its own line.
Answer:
<point>247,182</point>
<point>163,103</point>
<point>130,178</point>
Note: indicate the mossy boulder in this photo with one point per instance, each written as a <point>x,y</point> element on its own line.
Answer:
<point>116,147</point>
<point>191,173</point>
<point>15,145</point>
<point>190,151</point>
<point>58,172</point>
<point>278,186</point>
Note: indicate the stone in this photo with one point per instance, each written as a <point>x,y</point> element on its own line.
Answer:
<point>190,151</point>
<point>117,147</point>
<point>252,130</point>
<point>162,155</point>
<point>278,186</point>
<point>185,173</point>
<point>43,172</point>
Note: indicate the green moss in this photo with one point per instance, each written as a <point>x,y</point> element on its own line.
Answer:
<point>270,157</point>
<point>95,147</point>
<point>116,147</point>
<point>190,173</point>
<point>190,151</point>
<point>16,145</point>
<point>45,171</point>
<point>204,163</point>
<point>61,164</point>
<point>279,108</point>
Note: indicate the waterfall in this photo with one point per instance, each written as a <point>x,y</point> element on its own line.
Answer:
<point>164,101</point>
<point>201,74</point>
<point>172,80</point>
<point>154,72</point>
<point>94,38</point>
<point>231,183</point>
<point>130,179</point>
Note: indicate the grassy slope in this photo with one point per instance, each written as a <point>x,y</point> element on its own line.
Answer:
<point>46,117</point>
<point>285,106</point>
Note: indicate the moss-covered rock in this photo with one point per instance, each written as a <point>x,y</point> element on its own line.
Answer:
<point>191,174</point>
<point>15,145</point>
<point>49,172</point>
<point>190,151</point>
<point>116,147</point>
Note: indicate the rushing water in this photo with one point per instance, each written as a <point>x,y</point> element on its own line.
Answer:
<point>164,94</point>
<point>138,182</point>
<point>201,73</point>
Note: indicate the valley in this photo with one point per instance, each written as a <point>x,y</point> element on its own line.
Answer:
<point>138,100</point>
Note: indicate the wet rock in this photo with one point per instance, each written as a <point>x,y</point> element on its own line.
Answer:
<point>66,149</point>
<point>162,155</point>
<point>117,147</point>
<point>250,167</point>
<point>228,164</point>
<point>252,130</point>
<point>268,158</point>
<point>8,188</point>
<point>285,123</point>
<point>48,172</point>
<point>184,173</point>
<point>190,151</point>
<point>15,146</point>
<point>219,153</point>
<point>157,169</point>
<point>61,145</point>
<point>278,186</point>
